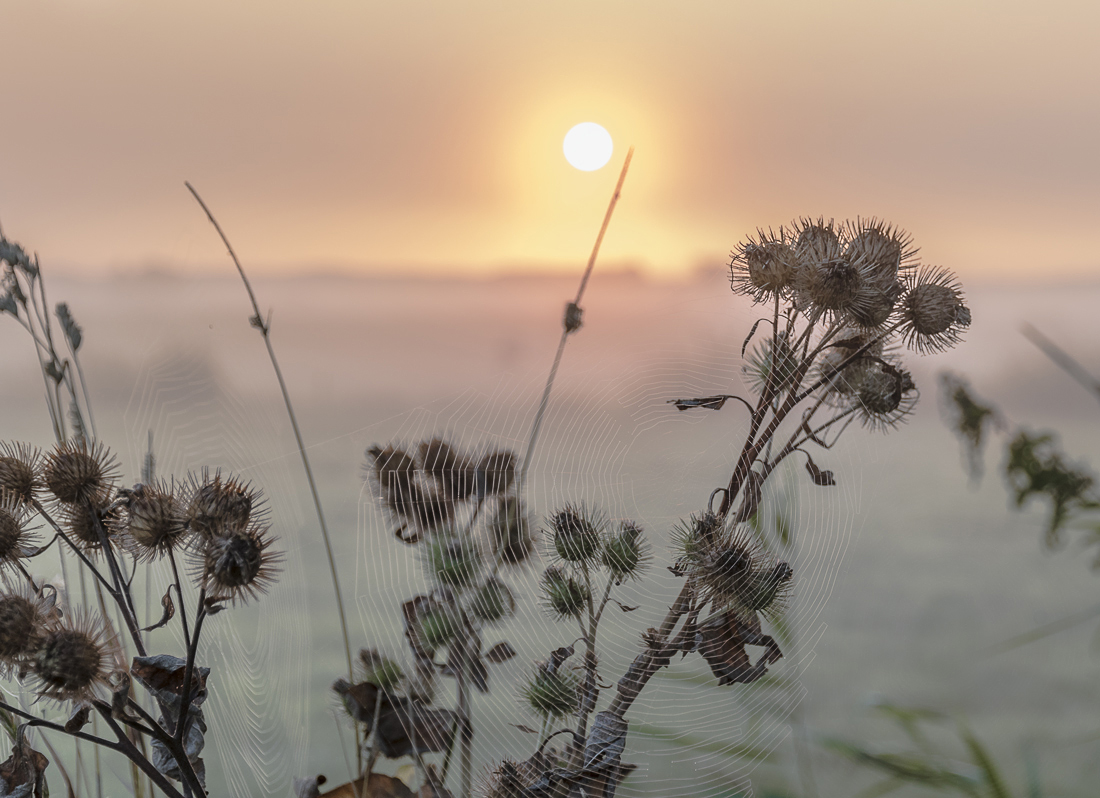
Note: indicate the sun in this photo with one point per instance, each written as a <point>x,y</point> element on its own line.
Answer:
<point>587,146</point>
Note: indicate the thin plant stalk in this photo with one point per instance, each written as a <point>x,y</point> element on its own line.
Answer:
<point>566,329</point>
<point>264,327</point>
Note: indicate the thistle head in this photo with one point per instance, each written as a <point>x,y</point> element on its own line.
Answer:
<point>625,553</point>
<point>76,473</point>
<point>238,564</point>
<point>451,471</point>
<point>16,539</point>
<point>498,470</point>
<point>764,266</point>
<point>154,520</point>
<point>72,658</point>
<point>24,618</point>
<point>438,626</point>
<point>575,534</point>
<point>551,693</point>
<point>933,313</point>
<point>19,470</point>
<point>563,595</point>
<point>218,505</point>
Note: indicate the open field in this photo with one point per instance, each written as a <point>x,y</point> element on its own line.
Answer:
<point>906,575</point>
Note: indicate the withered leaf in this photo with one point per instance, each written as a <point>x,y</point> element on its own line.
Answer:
<point>748,337</point>
<point>500,652</point>
<point>169,611</point>
<point>524,729</point>
<point>163,675</point>
<point>706,402</point>
<point>626,608</point>
<point>79,718</point>
<point>822,478</point>
<point>22,775</point>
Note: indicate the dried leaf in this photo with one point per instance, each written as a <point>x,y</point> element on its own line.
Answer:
<point>748,337</point>
<point>22,775</point>
<point>72,330</point>
<point>626,608</point>
<point>79,718</point>
<point>501,652</point>
<point>396,719</point>
<point>524,729</point>
<point>169,611</point>
<point>822,478</point>
<point>708,402</point>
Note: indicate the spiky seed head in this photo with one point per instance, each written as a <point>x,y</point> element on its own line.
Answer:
<point>493,602</point>
<point>71,659</point>
<point>452,561</point>
<point>82,522</point>
<point>393,470</point>
<point>23,619</point>
<point>563,596</point>
<point>381,671</point>
<point>886,395</point>
<point>882,251</point>
<point>511,531</point>
<point>847,361</point>
<point>15,537</point>
<point>817,242</point>
<point>763,266</point>
<point>694,537</point>
<point>552,694</point>
<point>575,534</point>
<point>220,505</point>
<point>154,521</point>
<point>771,359</point>
<point>769,590</point>
<point>19,465</point>
<point>76,473</point>
<point>439,626</point>
<point>624,554</point>
<point>239,564</point>
<point>499,471</point>
<point>933,312</point>
<point>874,303</point>
<point>834,285</point>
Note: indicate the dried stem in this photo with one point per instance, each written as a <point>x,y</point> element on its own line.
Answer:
<point>265,331</point>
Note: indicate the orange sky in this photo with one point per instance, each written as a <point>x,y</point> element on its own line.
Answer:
<point>359,135</point>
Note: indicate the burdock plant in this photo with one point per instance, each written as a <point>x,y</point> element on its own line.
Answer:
<point>844,302</point>
<point>74,660</point>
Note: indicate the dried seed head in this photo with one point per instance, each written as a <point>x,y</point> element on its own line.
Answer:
<point>239,564</point>
<point>624,554</point>
<point>563,596</point>
<point>552,694</point>
<point>71,659</point>
<point>452,472</point>
<point>845,362</point>
<point>218,506</point>
<point>511,531</point>
<point>493,602</point>
<point>833,285</point>
<point>76,473</point>
<point>82,522</point>
<point>770,590</point>
<point>15,538</point>
<point>695,537</point>
<point>394,472</point>
<point>575,534</point>
<point>763,267</point>
<point>817,242</point>
<point>452,561</point>
<point>874,303</point>
<point>19,464</point>
<point>933,312</point>
<point>881,251</point>
<point>23,619</point>
<point>154,521</point>
<point>886,396</point>
<point>771,360</point>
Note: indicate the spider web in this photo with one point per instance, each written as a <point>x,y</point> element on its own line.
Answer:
<point>259,737</point>
<point>611,440</point>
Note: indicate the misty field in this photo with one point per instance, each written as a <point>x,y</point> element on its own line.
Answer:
<point>907,577</point>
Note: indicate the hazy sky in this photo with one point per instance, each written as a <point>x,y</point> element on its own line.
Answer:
<point>427,135</point>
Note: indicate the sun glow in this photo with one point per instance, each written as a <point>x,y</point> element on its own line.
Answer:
<point>587,146</point>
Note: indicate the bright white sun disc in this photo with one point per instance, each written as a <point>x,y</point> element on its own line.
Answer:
<point>587,146</point>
